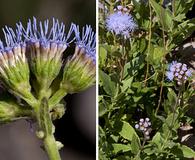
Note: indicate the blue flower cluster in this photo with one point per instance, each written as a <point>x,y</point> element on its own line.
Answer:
<point>86,40</point>
<point>121,22</point>
<point>38,47</point>
<point>178,72</point>
<point>38,36</point>
<point>14,43</point>
<point>144,126</point>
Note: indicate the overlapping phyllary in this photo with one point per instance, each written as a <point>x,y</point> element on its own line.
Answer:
<point>146,85</point>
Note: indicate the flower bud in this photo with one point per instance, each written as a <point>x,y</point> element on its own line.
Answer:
<point>79,70</point>
<point>45,48</point>
<point>14,69</point>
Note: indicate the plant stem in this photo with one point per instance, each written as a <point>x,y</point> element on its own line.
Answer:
<point>149,45</point>
<point>163,69</point>
<point>46,129</point>
<point>122,60</point>
<point>57,97</point>
<point>173,7</point>
<point>51,147</point>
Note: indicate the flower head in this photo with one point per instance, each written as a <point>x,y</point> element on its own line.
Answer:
<point>14,69</point>
<point>121,23</point>
<point>86,40</point>
<point>45,47</point>
<point>79,71</point>
<point>144,126</point>
<point>39,47</point>
<point>52,40</point>
<point>178,72</point>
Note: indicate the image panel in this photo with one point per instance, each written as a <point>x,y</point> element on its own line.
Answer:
<point>47,80</point>
<point>146,79</point>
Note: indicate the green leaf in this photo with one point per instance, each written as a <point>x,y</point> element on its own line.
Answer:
<point>102,155</point>
<point>171,96</point>
<point>149,149</point>
<point>102,56</point>
<point>170,102</point>
<point>126,130</point>
<point>172,120</point>
<point>137,85</point>
<point>117,147</point>
<point>135,144</point>
<point>136,99</point>
<point>182,7</point>
<point>122,157</point>
<point>183,31</point>
<point>126,69</point>
<point>103,106</point>
<point>126,84</point>
<point>157,139</point>
<point>108,85</point>
<point>157,55</point>
<point>187,152</point>
<point>164,15</point>
<point>170,126</point>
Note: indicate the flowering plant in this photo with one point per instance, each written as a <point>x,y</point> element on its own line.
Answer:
<point>35,78</point>
<point>146,80</point>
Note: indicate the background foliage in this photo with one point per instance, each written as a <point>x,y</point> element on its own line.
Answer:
<point>133,83</point>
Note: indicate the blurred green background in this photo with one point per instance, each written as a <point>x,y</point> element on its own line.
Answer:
<point>77,128</point>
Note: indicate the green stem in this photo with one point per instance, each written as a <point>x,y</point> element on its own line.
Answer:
<point>173,7</point>
<point>46,130</point>
<point>25,112</point>
<point>163,69</point>
<point>123,59</point>
<point>149,45</point>
<point>57,97</point>
<point>44,92</point>
<point>51,147</point>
